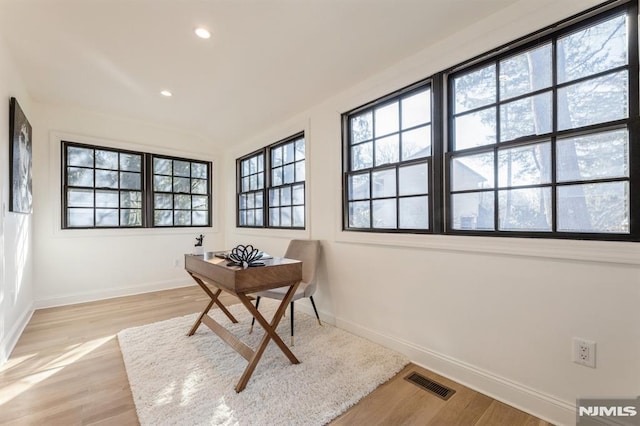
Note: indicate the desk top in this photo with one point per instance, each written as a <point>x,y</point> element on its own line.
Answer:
<point>276,272</point>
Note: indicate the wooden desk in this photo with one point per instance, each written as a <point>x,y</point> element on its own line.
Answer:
<point>210,271</point>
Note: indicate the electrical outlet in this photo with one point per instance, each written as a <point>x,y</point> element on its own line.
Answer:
<point>584,352</point>
<point>176,263</point>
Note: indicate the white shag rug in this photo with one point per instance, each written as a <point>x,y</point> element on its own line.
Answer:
<point>180,380</point>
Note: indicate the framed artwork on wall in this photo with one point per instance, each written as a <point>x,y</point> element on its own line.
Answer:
<point>20,157</point>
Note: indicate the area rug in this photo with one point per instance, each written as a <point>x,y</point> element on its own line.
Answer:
<point>180,380</point>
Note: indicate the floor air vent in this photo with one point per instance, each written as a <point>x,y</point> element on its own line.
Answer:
<point>430,386</point>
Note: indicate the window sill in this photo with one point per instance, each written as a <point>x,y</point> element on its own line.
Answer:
<point>616,252</point>
<point>275,232</point>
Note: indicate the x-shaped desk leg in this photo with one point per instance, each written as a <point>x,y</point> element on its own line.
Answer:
<point>270,333</point>
<point>214,300</point>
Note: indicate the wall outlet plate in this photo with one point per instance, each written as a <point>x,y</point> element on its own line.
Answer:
<point>584,352</point>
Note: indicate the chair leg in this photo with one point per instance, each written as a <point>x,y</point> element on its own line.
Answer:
<point>253,320</point>
<point>315,310</point>
<point>291,323</point>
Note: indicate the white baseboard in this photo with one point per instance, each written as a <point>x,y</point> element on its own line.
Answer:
<point>502,389</point>
<point>9,343</point>
<point>111,293</point>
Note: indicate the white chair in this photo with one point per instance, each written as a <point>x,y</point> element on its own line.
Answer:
<point>308,252</point>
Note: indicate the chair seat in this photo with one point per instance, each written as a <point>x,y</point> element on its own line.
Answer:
<point>280,292</point>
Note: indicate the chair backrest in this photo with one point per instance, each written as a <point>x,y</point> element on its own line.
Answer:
<point>308,251</point>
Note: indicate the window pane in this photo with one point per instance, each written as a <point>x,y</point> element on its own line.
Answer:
<point>253,182</point>
<point>260,180</point>
<point>386,120</point>
<point>130,162</point>
<point>473,211</point>
<point>106,160</point>
<point>79,218</point>
<point>285,216</point>
<point>526,117</point>
<point>199,170</point>
<point>362,127</point>
<point>359,187</point>
<point>276,176</point>
<point>106,179</point>
<point>163,218</point>
<point>198,186</point>
<point>259,202</point>
<point>130,217</point>
<point>298,216</point>
<point>276,156</point>
<point>106,217</point>
<point>182,202</point>
<point>251,200</point>
<point>359,214</point>
<point>416,143</point>
<point>163,201</point>
<point>274,197</point>
<point>107,199</point>
<point>416,109</point>
<point>526,165</point>
<point>597,207</point>
<point>525,209</point>
<point>475,89</point>
<point>595,156</point>
<point>285,196</point>
<point>130,199</point>
<point>300,172</point>
<point>387,150</point>
<point>384,183</point>
<point>82,157</point>
<point>181,185</point>
<point>413,179</point>
<point>260,159</point>
<point>199,203</point>
<point>362,156</point>
<point>182,218</point>
<point>245,168</point>
<point>274,217</point>
<point>161,166</point>
<point>251,217</point>
<point>597,48</point>
<point>79,177</point>
<point>200,218</point>
<point>288,173</point>
<point>80,198</point>
<point>300,154</point>
<point>258,220</point>
<point>288,151</point>
<point>526,72</point>
<point>593,101</point>
<point>181,168</point>
<point>384,213</point>
<point>472,172</point>
<point>414,213</point>
<point>242,218</point>
<point>162,183</point>
<point>475,129</point>
<point>130,180</point>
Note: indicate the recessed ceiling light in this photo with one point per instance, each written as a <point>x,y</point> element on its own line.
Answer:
<point>166,93</point>
<point>202,32</point>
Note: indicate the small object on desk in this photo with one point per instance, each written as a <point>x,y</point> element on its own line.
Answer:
<point>245,256</point>
<point>198,245</point>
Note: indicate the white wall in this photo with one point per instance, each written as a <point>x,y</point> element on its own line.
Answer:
<point>80,265</point>
<point>496,314</point>
<point>16,252</point>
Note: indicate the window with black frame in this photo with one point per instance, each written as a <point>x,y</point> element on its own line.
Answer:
<point>539,137</point>
<point>102,187</point>
<point>388,161</point>
<point>271,186</point>
<point>112,188</point>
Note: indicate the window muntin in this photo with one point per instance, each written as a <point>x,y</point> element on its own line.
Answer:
<point>106,188</point>
<point>540,138</point>
<point>102,188</point>
<point>180,192</point>
<point>271,186</point>
<point>388,162</point>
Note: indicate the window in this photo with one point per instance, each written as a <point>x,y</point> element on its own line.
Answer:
<point>106,188</point>
<point>388,163</point>
<point>271,186</point>
<point>540,136</point>
<point>537,138</point>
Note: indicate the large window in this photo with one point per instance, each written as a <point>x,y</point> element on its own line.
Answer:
<point>271,186</point>
<point>388,161</point>
<point>110,188</point>
<point>538,139</point>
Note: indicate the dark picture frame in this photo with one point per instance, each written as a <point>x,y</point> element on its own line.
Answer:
<point>20,157</point>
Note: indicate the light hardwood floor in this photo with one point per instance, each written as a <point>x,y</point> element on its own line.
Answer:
<point>67,370</point>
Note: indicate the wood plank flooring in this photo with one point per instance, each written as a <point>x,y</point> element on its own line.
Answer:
<point>67,369</point>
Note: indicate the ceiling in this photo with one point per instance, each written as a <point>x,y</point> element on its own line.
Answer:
<point>266,59</point>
